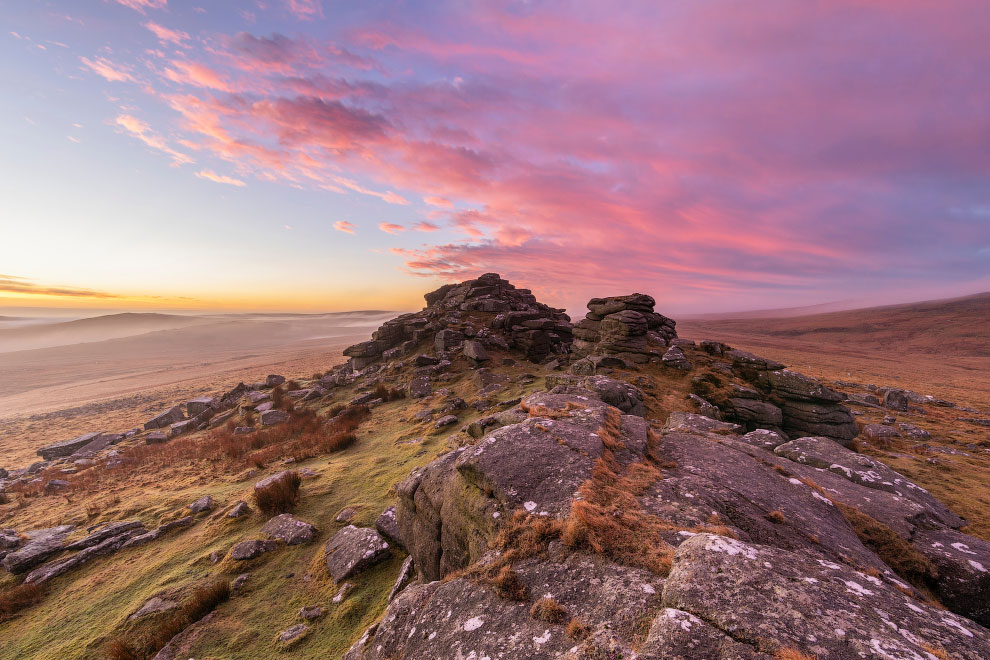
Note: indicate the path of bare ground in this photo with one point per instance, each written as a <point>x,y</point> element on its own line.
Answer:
<point>55,393</point>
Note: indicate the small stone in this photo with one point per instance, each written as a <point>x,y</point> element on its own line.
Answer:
<point>446,420</point>
<point>311,613</point>
<point>239,510</point>
<point>204,503</point>
<point>352,550</point>
<point>346,514</point>
<point>156,438</point>
<point>293,634</point>
<point>251,549</point>
<point>238,584</point>
<point>271,417</point>
<point>419,387</point>
<point>344,591</point>
<point>290,529</point>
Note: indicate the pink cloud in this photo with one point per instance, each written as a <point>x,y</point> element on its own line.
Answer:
<point>344,226</point>
<point>198,75</point>
<point>699,147</point>
<point>164,34</point>
<point>140,130</point>
<point>305,10</point>
<point>391,228</point>
<point>104,67</point>
<point>220,178</point>
<point>141,5</point>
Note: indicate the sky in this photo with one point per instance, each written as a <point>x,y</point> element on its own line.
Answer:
<point>312,155</point>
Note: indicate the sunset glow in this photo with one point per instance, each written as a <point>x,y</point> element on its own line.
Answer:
<point>293,154</point>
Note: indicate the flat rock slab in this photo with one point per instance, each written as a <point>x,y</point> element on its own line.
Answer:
<point>460,618</point>
<point>113,529</point>
<point>66,447</point>
<point>155,605</point>
<point>167,418</point>
<point>824,609</point>
<point>41,544</point>
<point>354,549</point>
<point>251,549</point>
<point>204,503</point>
<point>271,417</point>
<point>290,529</point>
<point>824,453</point>
<point>293,634</point>
<point>692,423</point>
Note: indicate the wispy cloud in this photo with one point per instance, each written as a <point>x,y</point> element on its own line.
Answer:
<point>104,67</point>
<point>220,178</point>
<point>305,10</point>
<point>391,228</point>
<point>23,285</point>
<point>167,35</point>
<point>705,147</point>
<point>141,5</point>
<point>140,130</point>
<point>344,226</point>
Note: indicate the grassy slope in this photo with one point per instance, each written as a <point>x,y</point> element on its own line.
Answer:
<point>939,347</point>
<point>84,608</point>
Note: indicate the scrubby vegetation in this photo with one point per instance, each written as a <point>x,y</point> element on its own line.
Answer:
<point>18,597</point>
<point>200,602</point>
<point>280,496</point>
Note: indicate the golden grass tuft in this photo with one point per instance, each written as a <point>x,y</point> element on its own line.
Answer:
<point>793,654</point>
<point>280,496</point>
<point>17,598</point>
<point>777,517</point>
<point>548,610</point>
<point>889,546</point>
<point>577,630</point>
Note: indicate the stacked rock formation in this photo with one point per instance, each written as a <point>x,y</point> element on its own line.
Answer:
<point>488,310</point>
<point>806,407</point>
<point>625,327</point>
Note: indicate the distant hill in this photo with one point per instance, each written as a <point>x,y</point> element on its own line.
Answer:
<point>99,328</point>
<point>956,326</point>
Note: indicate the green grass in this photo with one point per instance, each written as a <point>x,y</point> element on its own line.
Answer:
<point>85,608</point>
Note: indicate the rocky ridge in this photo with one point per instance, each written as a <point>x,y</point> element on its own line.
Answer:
<point>585,520</point>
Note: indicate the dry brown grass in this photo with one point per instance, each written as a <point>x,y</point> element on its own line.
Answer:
<point>577,630</point>
<point>608,520</point>
<point>777,517</point>
<point>305,435</point>
<point>17,598</point>
<point>793,654</point>
<point>889,546</point>
<point>937,651</point>
<point>201,602</point>
<point>386,393</point>
<point>548,610</point>
<point>280,496</point>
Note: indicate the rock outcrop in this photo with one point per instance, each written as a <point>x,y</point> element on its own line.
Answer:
<point>771,549</point>
<point>806,406</point>
<point>625,327</point>
<point>488,313</point>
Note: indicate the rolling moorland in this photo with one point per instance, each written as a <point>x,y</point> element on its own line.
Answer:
<point>486,479</point>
